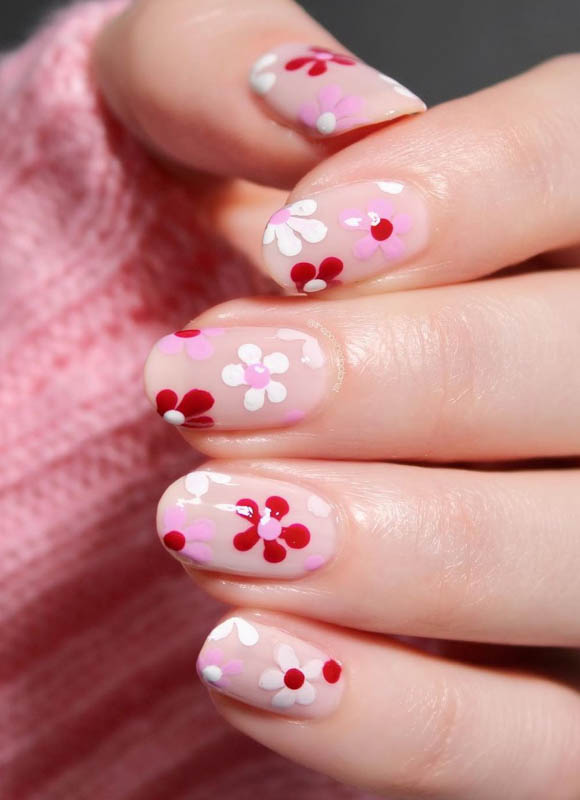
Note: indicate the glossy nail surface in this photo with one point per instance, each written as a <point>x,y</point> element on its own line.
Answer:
<point>246,525</point>
<point>345,234</point>
<point>323,93</point>
<point>237,378</point>
<point>270,669</point>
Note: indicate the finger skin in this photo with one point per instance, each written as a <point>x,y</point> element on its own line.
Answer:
<point>495,174</point>
<point>414,725</point>
<point>442,553</point>
<point>178,73</point>
<point>486,371</point>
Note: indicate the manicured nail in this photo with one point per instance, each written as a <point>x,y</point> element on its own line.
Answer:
<point>246,525</point>
<point>324,93</point>
<point>234,378</point>
<point>270,669</point>
<point>345,234</point>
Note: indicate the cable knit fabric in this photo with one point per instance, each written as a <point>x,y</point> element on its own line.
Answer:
<point>100,254</point>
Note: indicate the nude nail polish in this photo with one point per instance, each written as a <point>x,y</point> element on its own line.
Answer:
<point>237,378</point>
<point>247,525</point>
<point>345,234</point>
<point>323,93</point>
<point>270,669</point>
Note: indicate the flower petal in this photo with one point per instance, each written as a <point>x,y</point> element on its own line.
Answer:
<point>313,669</point>
<point>284,698</point>
<point>382,207</point>
<point>303,208</point>
<point>365,247</point>
<point>349,105</point>
<point>199,348</point>
<point>296,63</point>
<point>248,509</point>
<point>402,223</point>
<point>329,96</point>
<point>288,243</point>
<point>233,375</point>
<point>269,234</point>
<point>271,679</point>
<point>277,363</point>
<point>274,553</point>
<point>312,230</point>
<point>197,483</point>
<point>173,519</point>
<point>296,536</point>
<point>166,401</point>
<point>286,658</point>
<point>306,694</point>
<point>233,667</point>
<point>250,353</point>
<point>276,392</point>
<point>246,539</point>
<point>198,552</point>
<point>170,344</point>
<point>329,268</point>
<point>254,399</point>
<point>277,506</point>
<point>302,272</point>
<point>202,530</point>
<point>393,247</point>
<point>195,402</point>
<point>318,68</point>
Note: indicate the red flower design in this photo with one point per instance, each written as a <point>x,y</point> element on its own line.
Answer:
<point>309,279</point>
<point>187,412</point>
<point>319,57</point>
<point>267,526</point>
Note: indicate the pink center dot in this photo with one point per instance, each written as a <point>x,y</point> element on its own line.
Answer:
<point>323,56</point>
<point>294,678</point>
<point>280,217</point>
<point>257,376</point>
<point>269,528</point>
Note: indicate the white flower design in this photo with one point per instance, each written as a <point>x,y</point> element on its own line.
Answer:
<point>261,79</point>
<point>256,372</point>
<point>292,680</point>
<point>197,483</point>
<point>288,224</point>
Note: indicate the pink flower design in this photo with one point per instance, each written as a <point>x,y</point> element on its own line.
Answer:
<point>196,343</point>
<point>384,228</point>
<point>319,59</point>
<point>189,540</point>
<point>215,670</point>
<point>333,111</point>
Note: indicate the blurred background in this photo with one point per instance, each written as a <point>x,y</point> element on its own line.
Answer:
<point>442,48</point>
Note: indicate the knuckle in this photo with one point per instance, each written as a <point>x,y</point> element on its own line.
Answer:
<point>433,761</point>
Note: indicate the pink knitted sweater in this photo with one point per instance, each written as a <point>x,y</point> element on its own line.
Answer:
<point>99,256</point>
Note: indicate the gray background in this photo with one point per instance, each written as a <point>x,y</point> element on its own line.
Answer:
<point>440,48</point>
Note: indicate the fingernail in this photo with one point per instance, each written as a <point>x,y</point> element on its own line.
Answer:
<point>345,234</point>
<point>237,378</point>
<point>324,93</point>
<point>246,525</point>
<point>268,668</point>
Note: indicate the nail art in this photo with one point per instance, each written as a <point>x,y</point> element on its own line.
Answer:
<point>237,378</point>
<point>268,668</point>
<point>325,93</point>
<point>345,234</point>
<point>247,525</point>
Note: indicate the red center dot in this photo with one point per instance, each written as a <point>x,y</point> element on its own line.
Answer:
<point>331,671</point>
<point>174,540</point>
<point>188,334</point>
<point>382,230</point>
<point>294,678</point>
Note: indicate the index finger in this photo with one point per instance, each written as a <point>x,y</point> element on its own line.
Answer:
<point>256,89</point>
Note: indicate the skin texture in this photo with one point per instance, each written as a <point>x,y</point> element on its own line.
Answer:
<point>479,557</point>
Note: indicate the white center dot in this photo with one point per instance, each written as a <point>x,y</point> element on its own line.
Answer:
<point>174,417</point>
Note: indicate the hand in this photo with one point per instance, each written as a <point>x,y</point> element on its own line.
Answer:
<point>326,550</point>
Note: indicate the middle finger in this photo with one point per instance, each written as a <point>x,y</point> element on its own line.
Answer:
<point>484,371</point>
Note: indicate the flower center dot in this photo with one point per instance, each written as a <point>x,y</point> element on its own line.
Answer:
<point>174,540</point>
<point>257,376</point>
<point>174,417</point>
<point>269,528</point>
<point>382,230</point>
<point>326,123</point>
<point>294,678</point>
<point>212,673</point>
<point>280,217</point>
<point>323,56</point>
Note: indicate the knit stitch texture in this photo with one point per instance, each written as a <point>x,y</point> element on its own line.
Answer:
<point>100,255</point>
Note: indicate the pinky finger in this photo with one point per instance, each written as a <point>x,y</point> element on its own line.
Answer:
<point>391,720</point>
